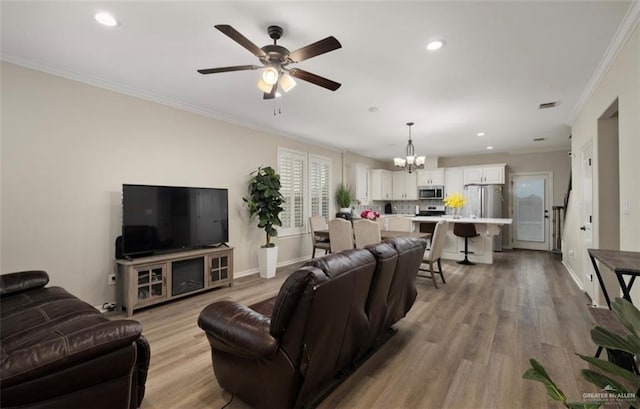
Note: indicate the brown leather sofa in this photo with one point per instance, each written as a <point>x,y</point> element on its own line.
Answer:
<point>328,316</point>
<point>57,351</point>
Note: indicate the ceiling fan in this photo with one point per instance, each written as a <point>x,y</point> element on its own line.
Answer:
<point>275,60</point>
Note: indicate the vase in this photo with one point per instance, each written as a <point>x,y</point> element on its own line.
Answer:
<point>456,213</point>
<point>267,261</point>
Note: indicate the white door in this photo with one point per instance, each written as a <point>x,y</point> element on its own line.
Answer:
<point>531,210</point>
<point>586,221</point>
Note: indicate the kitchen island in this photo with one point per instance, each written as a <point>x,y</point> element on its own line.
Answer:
<point>482,246</point>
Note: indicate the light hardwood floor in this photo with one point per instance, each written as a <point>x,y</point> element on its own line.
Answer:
<point>465,345</point>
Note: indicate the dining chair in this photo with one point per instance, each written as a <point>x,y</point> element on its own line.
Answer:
<point>340,235</point>
<point>317,223</point>
<point>366,232</point>
<point>438,241</point>
<point>400,223</point>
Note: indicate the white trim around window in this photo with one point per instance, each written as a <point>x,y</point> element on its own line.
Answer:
<point>306,186</point>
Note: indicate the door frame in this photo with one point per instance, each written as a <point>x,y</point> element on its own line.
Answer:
<point>547,205</point>
<point>590,284</point>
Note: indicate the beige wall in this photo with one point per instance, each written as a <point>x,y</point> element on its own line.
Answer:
<point>68,147</point>
<point>621,82</point>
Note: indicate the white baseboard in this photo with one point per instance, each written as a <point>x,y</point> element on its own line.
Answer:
<point>573,275</point>
<point>252,271</point>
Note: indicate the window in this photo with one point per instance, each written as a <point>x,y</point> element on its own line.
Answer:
<point>306,187</point>
<point>319,185</point>
<point>291,167</point>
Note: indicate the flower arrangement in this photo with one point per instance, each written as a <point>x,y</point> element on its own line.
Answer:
<point>455,201</point>
<point>369,214</point>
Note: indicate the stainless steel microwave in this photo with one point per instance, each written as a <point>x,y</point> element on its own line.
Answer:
<point>431,192</point>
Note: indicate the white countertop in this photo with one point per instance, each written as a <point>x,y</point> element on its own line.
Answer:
<point>450,219</point>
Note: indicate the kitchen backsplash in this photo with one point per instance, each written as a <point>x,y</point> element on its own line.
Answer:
<point>399,206</point>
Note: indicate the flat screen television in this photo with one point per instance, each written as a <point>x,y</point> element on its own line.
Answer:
<point>159,219</point>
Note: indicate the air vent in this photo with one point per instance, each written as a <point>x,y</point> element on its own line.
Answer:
<point>539,139</point>
<point>547,105</point>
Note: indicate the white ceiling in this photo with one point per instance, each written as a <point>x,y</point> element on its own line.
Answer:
<point>501,60</point>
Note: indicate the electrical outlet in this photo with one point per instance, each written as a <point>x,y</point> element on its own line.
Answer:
<point>572,254</point>
<point>111,279</point>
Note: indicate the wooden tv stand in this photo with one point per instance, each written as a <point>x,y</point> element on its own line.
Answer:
<point>155,279</point>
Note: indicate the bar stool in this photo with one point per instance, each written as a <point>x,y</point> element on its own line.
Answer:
<point>465,230</point>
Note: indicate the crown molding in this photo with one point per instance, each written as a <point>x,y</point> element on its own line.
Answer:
<point>627,26</point>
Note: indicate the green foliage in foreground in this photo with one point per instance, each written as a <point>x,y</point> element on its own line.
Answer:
<point>610,376</point>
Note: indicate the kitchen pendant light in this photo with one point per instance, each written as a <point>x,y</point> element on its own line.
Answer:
<point>410,162</point>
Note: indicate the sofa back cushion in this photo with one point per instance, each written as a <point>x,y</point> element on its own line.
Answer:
<point>337,322</point>
<point>402,292</point>
<point>380,293</point>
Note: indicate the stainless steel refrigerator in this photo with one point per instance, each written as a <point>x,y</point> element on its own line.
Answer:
<point>485,201</point>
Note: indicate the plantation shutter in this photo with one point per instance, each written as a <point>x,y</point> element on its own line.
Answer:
<point>319,186</point>
<point>291,167</point>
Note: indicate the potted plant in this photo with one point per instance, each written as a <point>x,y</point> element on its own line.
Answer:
<point>344,198</point>
<point>265,202</point>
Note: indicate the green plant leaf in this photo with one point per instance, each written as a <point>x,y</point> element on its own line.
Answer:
<point>608,339</point>
<point>613,369</point>
<point>539,374</point>
<point>603,381</point>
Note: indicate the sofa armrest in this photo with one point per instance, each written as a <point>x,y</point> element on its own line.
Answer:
<point>237,329</point>
<point>21,281</point>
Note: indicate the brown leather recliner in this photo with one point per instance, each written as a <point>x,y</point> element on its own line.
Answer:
<point>328,315</point>
<point>60,352</point>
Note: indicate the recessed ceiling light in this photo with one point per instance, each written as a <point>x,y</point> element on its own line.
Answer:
<point>480,134</point>
<point>106,19</point>
<point>489,148</point>
<point>435,45</point>
<point>373,109</point>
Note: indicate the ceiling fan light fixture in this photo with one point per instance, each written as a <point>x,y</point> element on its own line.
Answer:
<point>264,87</point>
<point>287,82</point>
<point>270,75</point>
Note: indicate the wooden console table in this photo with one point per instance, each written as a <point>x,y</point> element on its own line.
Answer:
<point>621,263</point>
<point>147,281</point>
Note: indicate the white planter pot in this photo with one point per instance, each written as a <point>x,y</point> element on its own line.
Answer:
<point>345,210</point>
<point>267,260</point>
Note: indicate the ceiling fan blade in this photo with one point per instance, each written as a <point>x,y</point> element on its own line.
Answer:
<point>227,69</point>
<point>233,34</point>
<point>317,48</point>
<point>314,79</point>
<point>272,94</point>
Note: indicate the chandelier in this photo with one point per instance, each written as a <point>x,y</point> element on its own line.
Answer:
<point>411,162</point>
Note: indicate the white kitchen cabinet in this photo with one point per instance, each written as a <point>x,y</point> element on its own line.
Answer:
<point>453,181</point>
<point>405,185</point>
<point>359,182</point>
<point>488,174</point>
<point>381,184</point>
<point>430,177</point>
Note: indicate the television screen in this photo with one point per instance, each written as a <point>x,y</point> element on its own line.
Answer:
<point>165,218</point>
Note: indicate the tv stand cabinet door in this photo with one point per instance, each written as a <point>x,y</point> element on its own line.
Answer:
<point>141,285</point>
<point>219,268</point>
